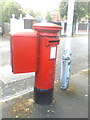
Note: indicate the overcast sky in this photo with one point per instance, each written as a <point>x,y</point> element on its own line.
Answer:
<point>42,5</point>
<point>39,5</point>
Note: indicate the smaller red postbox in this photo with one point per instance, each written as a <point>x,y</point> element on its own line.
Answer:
<point>47,51</point>
<point>24,51</point>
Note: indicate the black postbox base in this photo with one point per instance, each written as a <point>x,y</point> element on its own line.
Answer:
<point>43,96</point>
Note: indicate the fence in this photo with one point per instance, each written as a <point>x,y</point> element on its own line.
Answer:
<point>79,28</point>
<point>15,25</point>
<point>5,28</point>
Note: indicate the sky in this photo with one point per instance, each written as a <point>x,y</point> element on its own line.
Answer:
<point>42,6</point>
<point>39,5</point>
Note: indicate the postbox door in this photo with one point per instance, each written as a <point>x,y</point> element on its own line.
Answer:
<point>23,54</point>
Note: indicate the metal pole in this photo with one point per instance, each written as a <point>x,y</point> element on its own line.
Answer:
<point>66,59</point>
<point>70,17</point>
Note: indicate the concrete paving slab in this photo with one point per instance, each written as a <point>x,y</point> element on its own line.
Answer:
<point>7,76</point>
<point>16,88</point>
<point>72,103</point>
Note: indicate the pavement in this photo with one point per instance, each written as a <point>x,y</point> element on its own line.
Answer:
<point>16,97</point>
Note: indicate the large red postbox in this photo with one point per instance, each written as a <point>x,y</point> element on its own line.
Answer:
<point>24,51</point>
<point>45,75</point>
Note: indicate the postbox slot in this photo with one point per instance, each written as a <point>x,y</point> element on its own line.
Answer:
<point>54,41</point>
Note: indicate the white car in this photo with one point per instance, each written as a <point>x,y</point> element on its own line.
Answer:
<point>0,30</point>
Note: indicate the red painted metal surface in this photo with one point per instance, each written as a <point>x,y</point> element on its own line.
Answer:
<point>24,52</point>
<point>48,41</point>
<point>46,67</point>
<point>47,29</point>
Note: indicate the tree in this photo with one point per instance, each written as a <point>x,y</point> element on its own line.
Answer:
<point>33,13</point>
<point>80,10</point>
<point>1,5</point>
<point>63,9</point>
<point>48,17</point>
<point>89,12</point>
<point>9,8</point>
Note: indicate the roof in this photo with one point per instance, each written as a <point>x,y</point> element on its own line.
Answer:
<point>29,17</point>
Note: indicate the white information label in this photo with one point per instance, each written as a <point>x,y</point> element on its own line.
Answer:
<point>53,52</point>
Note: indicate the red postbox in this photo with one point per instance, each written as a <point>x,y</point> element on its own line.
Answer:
<point>47,51</point>
<point>24,51</point>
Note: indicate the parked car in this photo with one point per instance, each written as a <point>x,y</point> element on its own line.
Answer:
<point>0,30</point>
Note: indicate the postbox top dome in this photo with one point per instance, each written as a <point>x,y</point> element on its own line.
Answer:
<point>29,32</point>
<point>46,26</point>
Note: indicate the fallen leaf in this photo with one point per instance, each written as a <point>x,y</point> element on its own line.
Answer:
<point>31,100</point>
<point>27,109</point>
<point>17,116</point>
<point>48,110</point>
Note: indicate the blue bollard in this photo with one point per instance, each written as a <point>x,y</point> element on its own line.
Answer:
<point>65,70</point>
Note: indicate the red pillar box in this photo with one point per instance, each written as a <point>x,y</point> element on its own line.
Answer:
<point>47,51</point>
